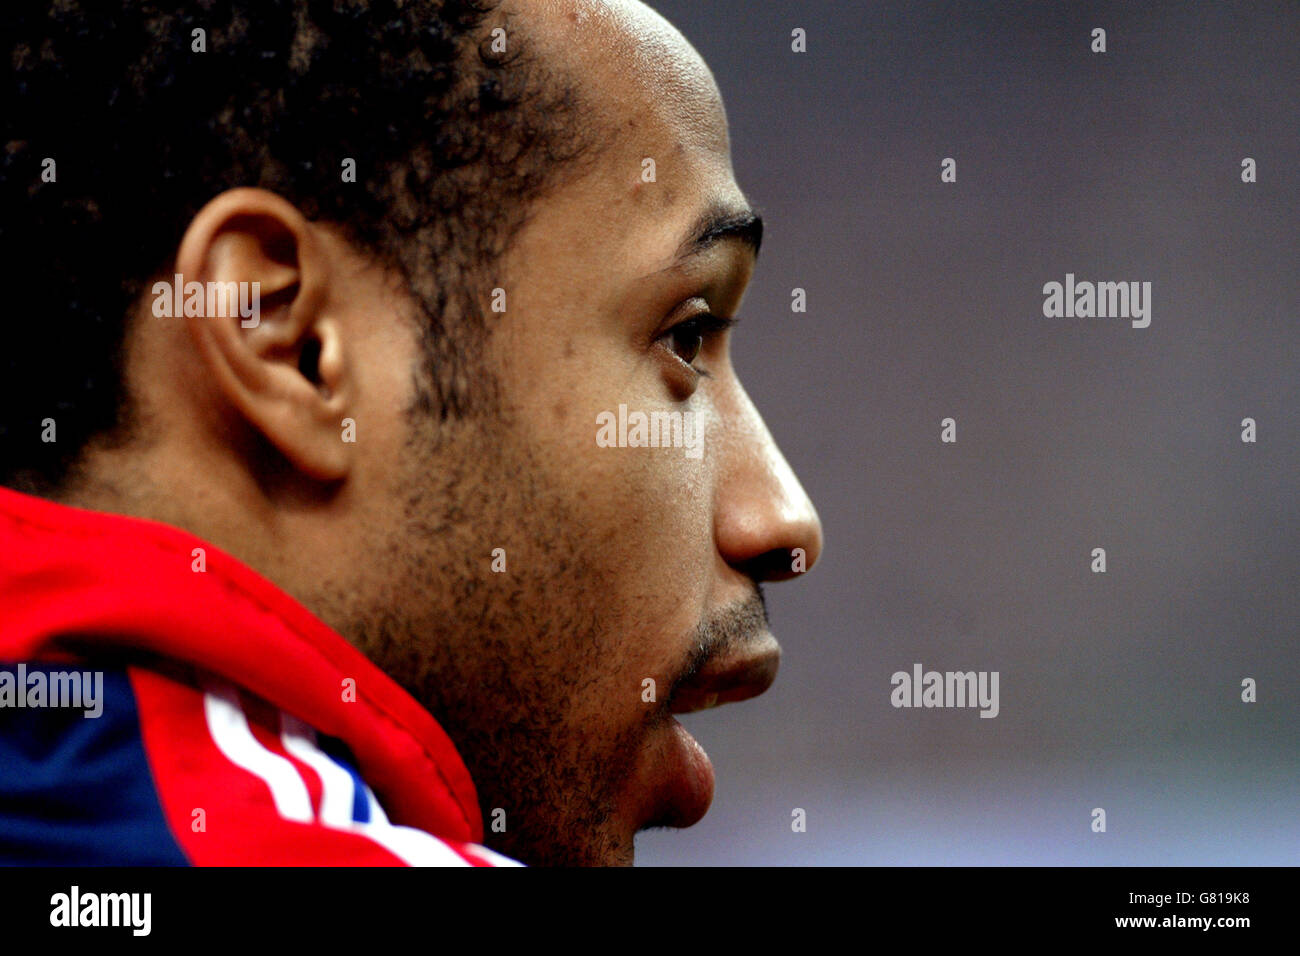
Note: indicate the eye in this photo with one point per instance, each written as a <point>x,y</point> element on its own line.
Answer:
<point>686,339</point>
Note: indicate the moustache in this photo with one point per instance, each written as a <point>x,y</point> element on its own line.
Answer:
<point>721,633</point>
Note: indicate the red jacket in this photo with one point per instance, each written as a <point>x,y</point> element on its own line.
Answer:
<point>233,726</point>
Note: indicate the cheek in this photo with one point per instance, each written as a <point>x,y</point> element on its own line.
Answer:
<point>644,514</point>
<point>656,522</point>
<point>650,506</point>
<point>644,525</point>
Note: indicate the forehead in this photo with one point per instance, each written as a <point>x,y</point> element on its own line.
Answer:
<point>632,65</point>
<point>651,98</point>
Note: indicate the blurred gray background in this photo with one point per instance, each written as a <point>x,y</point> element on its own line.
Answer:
<point>1118,690</point>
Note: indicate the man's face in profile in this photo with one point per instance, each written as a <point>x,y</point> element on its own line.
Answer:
<point>625,587</point>
<point>550,530</point>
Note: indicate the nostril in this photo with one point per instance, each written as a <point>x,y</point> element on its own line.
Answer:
<point>778,564</point>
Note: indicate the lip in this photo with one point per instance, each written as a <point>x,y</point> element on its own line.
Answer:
<point>740,675</point>
<point>685,775</point>
<point>688,783</point>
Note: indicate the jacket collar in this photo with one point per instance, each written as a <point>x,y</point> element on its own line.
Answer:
<point>83,582</point>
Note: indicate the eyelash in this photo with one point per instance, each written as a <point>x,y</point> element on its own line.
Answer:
<point>707,326</point>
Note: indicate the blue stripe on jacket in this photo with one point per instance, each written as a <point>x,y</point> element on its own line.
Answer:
<point>76,789</point>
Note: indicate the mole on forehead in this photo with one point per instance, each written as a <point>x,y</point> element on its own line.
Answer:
<point>667,127</point>
<point>655,195</point>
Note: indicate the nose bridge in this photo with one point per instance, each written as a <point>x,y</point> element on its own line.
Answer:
<point>763,514</point>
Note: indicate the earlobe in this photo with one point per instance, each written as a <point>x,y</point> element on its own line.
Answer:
<point>276,356</point>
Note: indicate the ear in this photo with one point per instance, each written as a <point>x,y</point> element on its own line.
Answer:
<point>276,357</point>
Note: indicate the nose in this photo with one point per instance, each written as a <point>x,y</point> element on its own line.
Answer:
<point>765,525</point>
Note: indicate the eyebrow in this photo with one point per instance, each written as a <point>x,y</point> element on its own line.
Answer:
<point>721,223</point>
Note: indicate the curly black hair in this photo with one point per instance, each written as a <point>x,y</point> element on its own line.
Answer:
<point>452,139</point>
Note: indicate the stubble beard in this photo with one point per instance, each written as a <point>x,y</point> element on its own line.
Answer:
<point>502,660</point>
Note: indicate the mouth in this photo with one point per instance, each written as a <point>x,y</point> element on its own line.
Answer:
<point>686,773</point>
<point>731,677</point>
